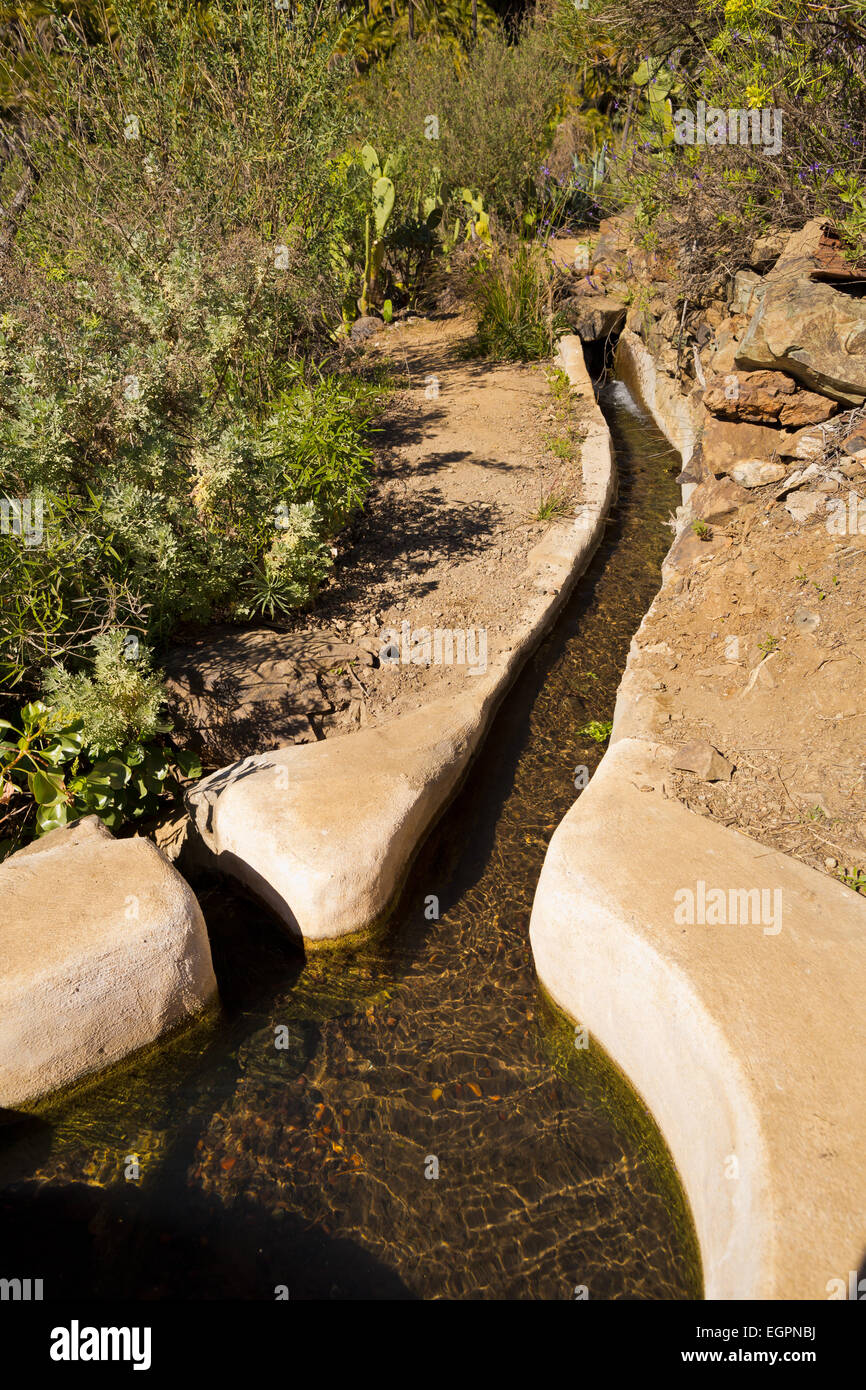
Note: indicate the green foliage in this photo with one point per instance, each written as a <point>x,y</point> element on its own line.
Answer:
<point>382,205</point>
<point>376,29</point>
<point>854,878</point>
<point>599,730</point>
<point>555,504</point>
<point>806,62</point>
<point>316,441</point>
<point>118,703</point>
<point>292,567</point>
<point>51,605</point>
<point>170,277</point>
<point>493,107</point>
<point>91,749</point>
<point>512,293</point>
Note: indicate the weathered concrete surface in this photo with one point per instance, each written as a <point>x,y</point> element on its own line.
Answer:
<point>746,1042</point>
<point>679,417</point>
<point>103,948</point>
<point>325,832</point>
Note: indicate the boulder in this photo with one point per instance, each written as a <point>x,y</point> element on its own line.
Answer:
<point>747,292</point>
<point>855,444</point>
<point>766,398</point>
<point>811,331</point>
<point>689,550</point>
<point>726,443</point>
<point>767,250</point>
<point>726,343</point>
<point>804,445</point>
<point>103,949</point>
<point>364,327</point>
<point>594,316</point>
<point>817,250</point>
<point>717,500</point>
<point>612,243</point>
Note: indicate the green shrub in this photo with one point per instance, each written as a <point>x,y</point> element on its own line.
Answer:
<point>495,106</point>
<point>118,704</point>
<point>292,568</point>
<point>95,746</point>
<point>708,203</point>
<point>512,293</point>
<point>168,286</point>
<point>374,31</point>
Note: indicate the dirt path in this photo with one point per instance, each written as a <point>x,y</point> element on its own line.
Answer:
<point>469,455</point>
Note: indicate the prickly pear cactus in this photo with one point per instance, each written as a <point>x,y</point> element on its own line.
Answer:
<point>383,203</point>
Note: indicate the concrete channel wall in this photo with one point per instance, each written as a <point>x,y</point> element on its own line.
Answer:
<point>746,1042</point>
<point>324,833</point>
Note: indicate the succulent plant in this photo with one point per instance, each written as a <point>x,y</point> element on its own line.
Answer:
<point>382,200</point>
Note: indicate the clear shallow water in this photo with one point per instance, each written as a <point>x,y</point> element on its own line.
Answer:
<point>305,1167</point>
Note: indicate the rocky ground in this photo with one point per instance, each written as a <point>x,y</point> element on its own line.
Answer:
<point>756,645</point>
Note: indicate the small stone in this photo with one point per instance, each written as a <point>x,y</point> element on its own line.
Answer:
<point>830,862</point>
<point>703,760</point>
<point>802,505</point>
<point>364,327</point>
<point>855,445</point>
<point>757,472</point>
<point>804,445</point>
<point>805,621</point>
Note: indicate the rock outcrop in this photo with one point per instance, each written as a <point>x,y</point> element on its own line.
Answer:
<point>815,333</point>
<point>766,398</point>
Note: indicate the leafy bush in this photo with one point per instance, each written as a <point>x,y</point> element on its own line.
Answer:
<point>119,703</point>
<point>94,747</point>
<point>495,105</point>
<point>169,280</point>
<point>709,202</point>
<point>292,567</point>
<point>51,608</point>
<point>374,31</point>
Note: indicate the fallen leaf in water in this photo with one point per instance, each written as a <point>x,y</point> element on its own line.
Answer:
<point>476,1090</point>
<point>495,1097</point>
<point>338,1148</point>
<point>436,1093</point>
<point>228,1163</point>
<point>320,1110</point>
<point>357,1160</point>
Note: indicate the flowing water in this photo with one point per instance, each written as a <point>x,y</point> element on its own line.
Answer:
<point>429,1126</point>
